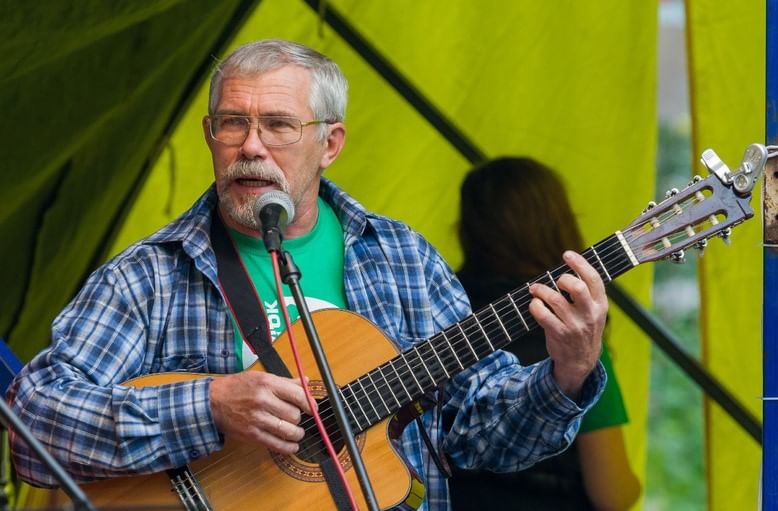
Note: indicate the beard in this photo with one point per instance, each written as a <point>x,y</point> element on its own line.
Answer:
<point>240,206</point>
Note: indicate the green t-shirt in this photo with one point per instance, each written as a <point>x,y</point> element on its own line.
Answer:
<point>318,255</point>
<point>610,409</point>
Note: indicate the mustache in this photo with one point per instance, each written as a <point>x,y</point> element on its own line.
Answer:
<point>255,169</point>
<point>252,169</point>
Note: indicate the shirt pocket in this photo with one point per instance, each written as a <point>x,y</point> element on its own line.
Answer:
<point>184,363</point>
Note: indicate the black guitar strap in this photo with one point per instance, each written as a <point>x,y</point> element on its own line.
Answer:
<point>243,301</point>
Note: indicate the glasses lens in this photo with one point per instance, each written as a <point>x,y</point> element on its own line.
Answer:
<point>279,130</point>
<point>230,129</point>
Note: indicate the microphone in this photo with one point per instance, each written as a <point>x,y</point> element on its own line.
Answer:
<point>273,210</point>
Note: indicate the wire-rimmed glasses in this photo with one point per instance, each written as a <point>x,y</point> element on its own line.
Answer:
<point>273,130</point>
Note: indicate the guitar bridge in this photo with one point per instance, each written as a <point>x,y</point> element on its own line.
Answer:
<point>188,489</point>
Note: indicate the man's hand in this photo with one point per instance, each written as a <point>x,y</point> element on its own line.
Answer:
<point>573,330</point>
<point>259,408</point>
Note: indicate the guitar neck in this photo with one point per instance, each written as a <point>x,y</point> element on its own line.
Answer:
<point>407,377</point>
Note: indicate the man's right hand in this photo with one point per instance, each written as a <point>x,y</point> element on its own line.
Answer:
<point>259,408</point>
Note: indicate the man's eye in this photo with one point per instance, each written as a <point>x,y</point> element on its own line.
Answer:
<point>232,123</point>
<point>278,124</point>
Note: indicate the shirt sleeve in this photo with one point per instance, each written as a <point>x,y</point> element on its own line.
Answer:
<point>72,399</point>
<point>504,417</point>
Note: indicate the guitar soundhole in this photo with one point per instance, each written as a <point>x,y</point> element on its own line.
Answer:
<point>304,465</point>
<point>312,448</point>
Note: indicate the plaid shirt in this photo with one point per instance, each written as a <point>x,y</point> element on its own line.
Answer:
<point>156,307</point>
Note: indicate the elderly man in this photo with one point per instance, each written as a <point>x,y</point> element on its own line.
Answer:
<point>275,122</point>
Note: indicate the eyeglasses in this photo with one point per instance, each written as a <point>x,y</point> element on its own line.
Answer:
<point>273,130</point>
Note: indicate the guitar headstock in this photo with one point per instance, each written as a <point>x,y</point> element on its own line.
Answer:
<point>705,208</point>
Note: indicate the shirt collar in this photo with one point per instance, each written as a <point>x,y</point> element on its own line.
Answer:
<point>352,215</point>
<point>193,230</point>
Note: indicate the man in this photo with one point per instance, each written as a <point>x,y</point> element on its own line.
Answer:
<point>275,122</point>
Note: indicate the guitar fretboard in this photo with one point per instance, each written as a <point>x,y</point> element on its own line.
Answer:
<point>407,377</point>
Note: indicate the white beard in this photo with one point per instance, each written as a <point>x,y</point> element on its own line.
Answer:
<point>240,207</point>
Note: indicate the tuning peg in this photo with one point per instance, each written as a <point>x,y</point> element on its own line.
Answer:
<point>725,235</point>
<point>651,205</point>
<point>671,192</point>
<point>700,245</point>
<point>678,257</point>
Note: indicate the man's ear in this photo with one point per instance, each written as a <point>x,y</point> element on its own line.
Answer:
<point>207,131</point>
<point>334,144</point>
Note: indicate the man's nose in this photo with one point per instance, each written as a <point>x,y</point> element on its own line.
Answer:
<point>253,147</point>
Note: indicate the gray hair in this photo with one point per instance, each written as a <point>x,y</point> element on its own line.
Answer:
<point>329,88</point>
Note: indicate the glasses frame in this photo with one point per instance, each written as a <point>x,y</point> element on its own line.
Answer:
<point>254,123</point>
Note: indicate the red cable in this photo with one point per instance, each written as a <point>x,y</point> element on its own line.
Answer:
<point>311,403</point>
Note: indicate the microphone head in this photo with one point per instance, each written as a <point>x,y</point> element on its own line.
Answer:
<point>274,200</point>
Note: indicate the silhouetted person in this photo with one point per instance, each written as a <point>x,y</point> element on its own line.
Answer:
<point>515,223</point>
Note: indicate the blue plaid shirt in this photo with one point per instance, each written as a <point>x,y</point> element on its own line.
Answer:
<point>156,307</point>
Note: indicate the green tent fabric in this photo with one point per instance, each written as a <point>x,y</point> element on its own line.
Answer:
<point>88,89</point>
<point>105,101</point>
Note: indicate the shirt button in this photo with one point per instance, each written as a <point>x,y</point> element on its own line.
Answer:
<point>194,453</point>
<point>225,353</point>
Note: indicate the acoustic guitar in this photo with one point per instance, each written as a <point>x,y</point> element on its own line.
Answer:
<point>378,384</point>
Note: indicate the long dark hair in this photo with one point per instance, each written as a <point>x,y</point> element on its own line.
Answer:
<point>515,219</point>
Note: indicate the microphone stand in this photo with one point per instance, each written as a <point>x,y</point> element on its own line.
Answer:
<point>11,421</point>
<point>291,275</point>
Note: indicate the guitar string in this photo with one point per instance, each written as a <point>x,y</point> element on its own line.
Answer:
<point>210,472</point>
<point>490,325</point>
<point>214,470</point>
<point>455,340</point>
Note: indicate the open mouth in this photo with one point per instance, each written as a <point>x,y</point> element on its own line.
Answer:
<point>254,183</point>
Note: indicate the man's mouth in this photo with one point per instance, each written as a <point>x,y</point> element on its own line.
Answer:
<point>254,183</point>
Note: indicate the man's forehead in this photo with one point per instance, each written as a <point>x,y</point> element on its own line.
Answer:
<point>284,90</point>
<point>243,73</point>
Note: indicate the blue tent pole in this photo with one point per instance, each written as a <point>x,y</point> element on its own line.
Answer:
<point>770,282</point>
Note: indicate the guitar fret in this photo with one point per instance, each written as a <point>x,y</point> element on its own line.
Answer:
<point>501,326</point>
<point>410,368</point>
<point>442,365</point>
<point>389,385</point>
<point>359,403</point>
<point>601,265</point>
<point>370,401</point>
<point>477,322</point>
<point>521,316</point>
<point>380,396</point>
<point>401,381</point>
<point>467,341</point>
<point>450,347</point>
<point>432,379</point>
<point>353,415</point>
<point>553,282</point>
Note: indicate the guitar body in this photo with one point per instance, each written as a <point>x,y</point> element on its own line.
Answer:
<point>242,477</point>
